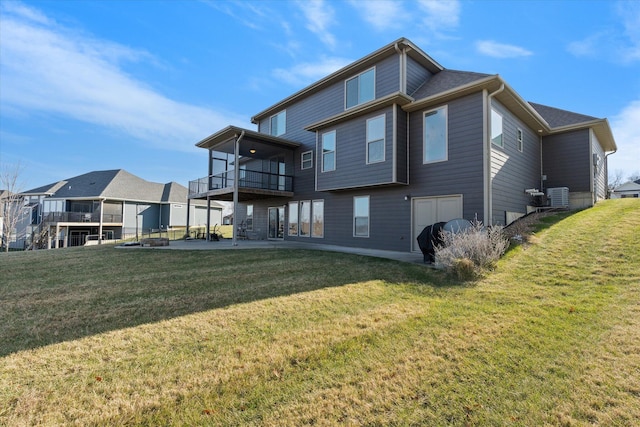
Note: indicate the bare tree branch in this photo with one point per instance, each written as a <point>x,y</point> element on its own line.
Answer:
<point>11,203</point>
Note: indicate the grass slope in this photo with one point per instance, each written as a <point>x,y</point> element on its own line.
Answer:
<point>112,337</point>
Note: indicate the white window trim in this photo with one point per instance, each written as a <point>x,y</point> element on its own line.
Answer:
<point>302,160</point>
<point>284,113</point>
<point>445,108</point>
<point>335,150</point>
<point>289,206</point>
<point>321,236</point>
<point>493,110</point>
<point>384,139</point>
<point>300,203</point>
<point>368,216</point>
<point>358,77</point>
<point>520,139</point>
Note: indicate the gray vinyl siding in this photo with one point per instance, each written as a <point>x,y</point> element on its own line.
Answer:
<point>462,173</point>
<point>566,160</point>
<point>513,171</point>
<point>388,76</point>
<point>416,75</point>
<point>351,155</point>
<point>402,146</point>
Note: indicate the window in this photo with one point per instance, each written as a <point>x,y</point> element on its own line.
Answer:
<point>318,219</point>
<point>278,123</point>
<point>293,218</point>
<point>496,128</point>
<point>360,89</point>
<point>306,161</point>
<point>361,216</point>
<point>520,139</point>
<point>375,139</point>
<point>329,151</point>
<point>305,218</point>
<point>249,217</point>
<point>435,135</point>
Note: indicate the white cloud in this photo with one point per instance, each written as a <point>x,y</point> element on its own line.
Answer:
<point>501,50</point>
<point>382,14</point>
<point>307,73</point>
<point>629,13</point>
<point>619,43</point>
<point>440,14</point>
<point>319,15</point>
<point>625,131</point>
<point>52,69</point>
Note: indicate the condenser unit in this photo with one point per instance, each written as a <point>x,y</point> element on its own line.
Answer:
<point>558,197</point>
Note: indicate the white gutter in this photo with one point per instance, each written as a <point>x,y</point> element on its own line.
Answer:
<point>236,178</point>
<point>488,179</point>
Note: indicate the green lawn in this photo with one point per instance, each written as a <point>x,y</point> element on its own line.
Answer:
<point>106,336</point>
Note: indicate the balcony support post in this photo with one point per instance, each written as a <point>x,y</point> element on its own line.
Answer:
<point>100,224</point>
<point>236,179</point>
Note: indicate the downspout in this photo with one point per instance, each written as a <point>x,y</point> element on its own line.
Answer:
<point>236,178</point>
<point>403,68</point>
<point>488,207</point>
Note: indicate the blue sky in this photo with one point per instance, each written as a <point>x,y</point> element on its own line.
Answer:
<point>134,84</point>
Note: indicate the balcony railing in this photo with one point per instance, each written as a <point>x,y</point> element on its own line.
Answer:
<point>82,217</point>
<point>247,179</point>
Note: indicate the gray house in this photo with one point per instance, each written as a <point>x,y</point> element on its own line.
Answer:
<point>113,204</point>
<point>371,154</point>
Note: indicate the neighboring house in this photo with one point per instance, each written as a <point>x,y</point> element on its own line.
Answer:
<point>113,204</point>
<point>628,189</point>
<point>371,154</point>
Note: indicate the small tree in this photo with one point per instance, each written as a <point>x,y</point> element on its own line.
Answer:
<point>11,202</point>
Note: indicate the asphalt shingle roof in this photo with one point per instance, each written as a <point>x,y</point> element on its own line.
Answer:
<point>446,80</point>
<point>114,184</point>
<point>557,117</point>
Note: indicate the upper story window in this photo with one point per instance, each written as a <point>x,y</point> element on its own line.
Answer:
<point>306,160</point>
<point>360,88</point>
<point>496,128</point>
<point>278,123</point>
<point>328,150</point>
<point>520,139</point>
<point>435,135</point>
<point>375,139</point>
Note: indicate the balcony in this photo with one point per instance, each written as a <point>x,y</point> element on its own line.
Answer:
<point>82,217</point>
<point>251,185</point>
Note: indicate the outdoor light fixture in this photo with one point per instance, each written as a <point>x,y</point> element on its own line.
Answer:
<point>406,198</point>
<point>252,151</point>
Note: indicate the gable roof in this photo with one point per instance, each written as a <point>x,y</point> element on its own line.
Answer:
<point>628,186</point>
<point>116,184</point>
<point>558,118</point>
<point>446,80</point>
<point>402,43</point>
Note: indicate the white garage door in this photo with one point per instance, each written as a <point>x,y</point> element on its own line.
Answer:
<point>429,210</point>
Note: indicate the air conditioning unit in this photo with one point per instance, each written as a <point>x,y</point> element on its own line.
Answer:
<point>558,197</point>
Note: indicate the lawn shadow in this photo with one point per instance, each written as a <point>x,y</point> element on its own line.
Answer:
<point>102,289</point>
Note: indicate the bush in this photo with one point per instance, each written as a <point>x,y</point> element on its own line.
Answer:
<point>468,253</point>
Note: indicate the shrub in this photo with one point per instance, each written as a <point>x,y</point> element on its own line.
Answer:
<point>467,254</point>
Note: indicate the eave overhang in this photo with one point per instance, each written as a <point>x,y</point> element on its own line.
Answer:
<point>508,97</point>
<point>231,132</point>
<point>394,98</point>
<point>391,49</point>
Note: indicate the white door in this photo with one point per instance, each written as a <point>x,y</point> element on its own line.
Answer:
<point>429,210</point>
